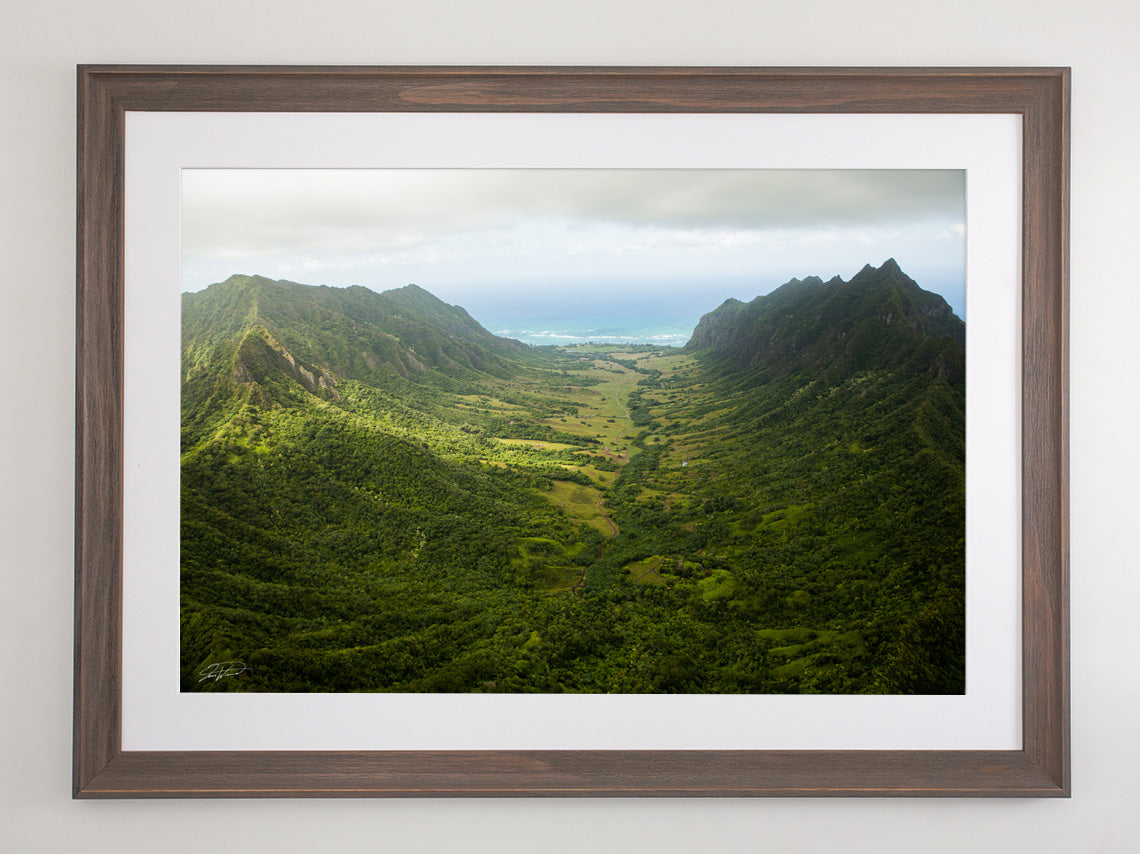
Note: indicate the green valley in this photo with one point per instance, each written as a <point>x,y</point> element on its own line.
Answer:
<point>380,495</point>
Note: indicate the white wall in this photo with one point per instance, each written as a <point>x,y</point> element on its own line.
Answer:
<point>40,44</point>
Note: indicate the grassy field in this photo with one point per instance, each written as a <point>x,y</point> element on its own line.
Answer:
<point>581,504</point>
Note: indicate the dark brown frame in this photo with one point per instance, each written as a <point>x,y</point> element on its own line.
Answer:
<point>102,769</point>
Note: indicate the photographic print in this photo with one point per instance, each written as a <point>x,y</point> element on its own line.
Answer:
<point>386,592</point>
<point>602,431</point>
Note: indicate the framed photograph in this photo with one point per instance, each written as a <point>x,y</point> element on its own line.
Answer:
<point>571,432</point>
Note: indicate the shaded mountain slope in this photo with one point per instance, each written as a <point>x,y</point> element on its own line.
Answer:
<point>844,401</point>
<point>879,318</point>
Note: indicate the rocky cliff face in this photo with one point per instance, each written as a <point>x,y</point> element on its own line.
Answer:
<point>260,353</point>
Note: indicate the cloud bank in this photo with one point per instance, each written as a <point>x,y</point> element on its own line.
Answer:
<point>456,232</point>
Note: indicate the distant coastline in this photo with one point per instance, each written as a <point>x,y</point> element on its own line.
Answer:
<point>558,335</point>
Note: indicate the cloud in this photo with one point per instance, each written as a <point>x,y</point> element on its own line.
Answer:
<point>250,212</point>
<point>464,234</point>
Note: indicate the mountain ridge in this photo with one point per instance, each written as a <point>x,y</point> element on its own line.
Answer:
<point>251,338</point>
<point>880,316</point>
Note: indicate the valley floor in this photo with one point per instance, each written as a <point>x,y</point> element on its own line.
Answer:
<point>610,520</point>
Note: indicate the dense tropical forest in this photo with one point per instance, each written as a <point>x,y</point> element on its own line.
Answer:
<point>380,495</point>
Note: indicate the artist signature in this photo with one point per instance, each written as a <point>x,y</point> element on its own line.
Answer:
<point>221,669</point>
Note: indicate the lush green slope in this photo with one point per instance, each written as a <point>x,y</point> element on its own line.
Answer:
<point>253,335</point>
<point>833,419</point>
<point>379,495</point>
<point>874,321</point>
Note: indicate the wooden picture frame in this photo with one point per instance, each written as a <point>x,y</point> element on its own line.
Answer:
<point>103,769</point>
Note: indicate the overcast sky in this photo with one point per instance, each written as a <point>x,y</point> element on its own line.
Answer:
<point>479,236</point>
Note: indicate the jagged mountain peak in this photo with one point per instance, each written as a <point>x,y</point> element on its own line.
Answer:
<point>887,267</point>
<point>877,317</point>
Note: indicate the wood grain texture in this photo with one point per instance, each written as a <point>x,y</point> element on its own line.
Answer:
<point>99,433</point>
<point>103,770</point>
<point>1045,673</point>
<point>573,774</point>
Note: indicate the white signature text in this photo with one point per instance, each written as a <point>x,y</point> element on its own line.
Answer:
<point>221,669</point>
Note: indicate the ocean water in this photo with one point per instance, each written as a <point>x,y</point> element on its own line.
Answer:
<point>618,315</point>
<point>557,330</point>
